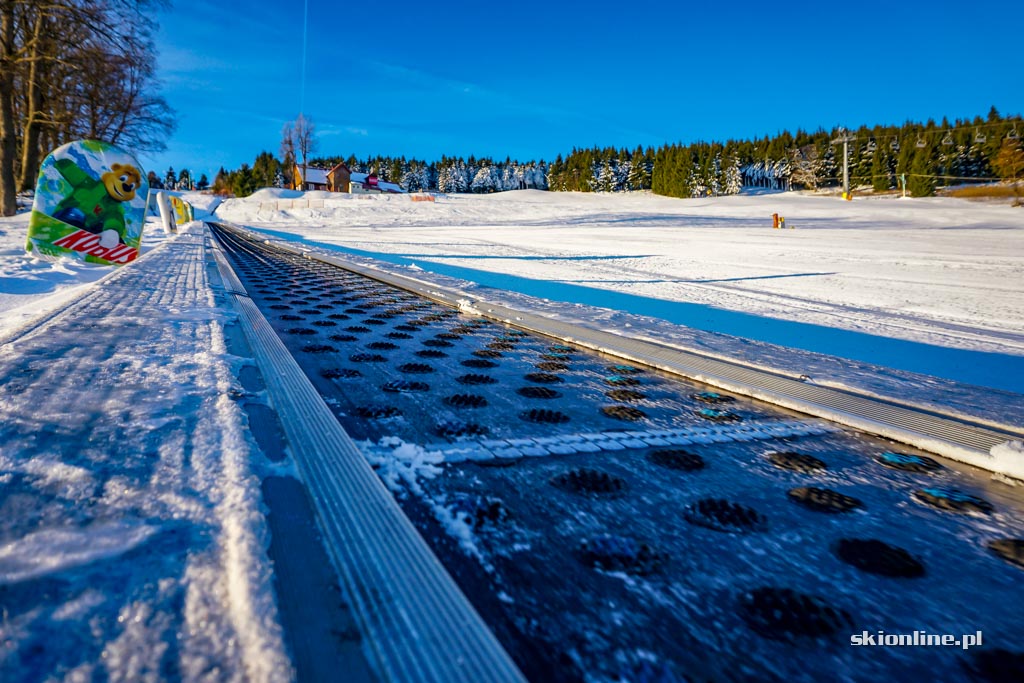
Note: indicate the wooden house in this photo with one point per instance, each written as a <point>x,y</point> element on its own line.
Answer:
<point>313,179</point>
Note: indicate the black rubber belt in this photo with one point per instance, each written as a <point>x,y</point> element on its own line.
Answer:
<point>416,623</point>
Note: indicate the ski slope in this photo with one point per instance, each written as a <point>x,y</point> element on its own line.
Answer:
<point>913,295</point>
<point>917,299</point>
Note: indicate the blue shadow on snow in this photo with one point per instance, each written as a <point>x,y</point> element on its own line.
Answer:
<point>996,370</point>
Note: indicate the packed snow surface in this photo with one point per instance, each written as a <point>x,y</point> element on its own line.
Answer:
<point>132,541</point>
<point>31,286</point>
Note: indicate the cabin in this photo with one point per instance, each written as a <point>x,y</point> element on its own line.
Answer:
<point>369,183</point>
<point>314,179</point>
<point>338,178</point>
<point>341,179</point>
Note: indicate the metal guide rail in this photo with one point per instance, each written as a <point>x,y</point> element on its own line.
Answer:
<point>610,521</point>
<point>416,623</point>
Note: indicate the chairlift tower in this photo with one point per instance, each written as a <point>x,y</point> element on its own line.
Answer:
<point>846,139</point>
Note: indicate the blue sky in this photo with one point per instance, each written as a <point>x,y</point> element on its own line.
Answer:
<point>531,79</point>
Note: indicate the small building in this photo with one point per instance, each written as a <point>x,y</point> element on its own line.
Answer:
<point>338,178</point>
<point>369,183</point>
<point>313,179</point>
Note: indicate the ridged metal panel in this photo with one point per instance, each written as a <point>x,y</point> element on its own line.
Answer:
<point>947,436</point>
<point>416,623</point>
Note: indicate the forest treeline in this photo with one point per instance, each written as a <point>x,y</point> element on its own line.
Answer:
<point>73,69</point>
<point>923,156</point>
<point>450,174</point>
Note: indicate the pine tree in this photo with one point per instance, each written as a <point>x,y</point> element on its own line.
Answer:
<point>222,182</point>
<point>264,169</point>
<point>920,180</point>
<point>483,181</point>
<point>1009,163</point>
<point>457,177</point>
<point>880,177</point>
<point>396,171</point>
<point>606,177</point>
<point>243,183</point>
<point>443,179</point>
<point>635,179</point>
<point>733,178</point>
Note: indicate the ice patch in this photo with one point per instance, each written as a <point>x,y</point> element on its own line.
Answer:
<point>53,550</point>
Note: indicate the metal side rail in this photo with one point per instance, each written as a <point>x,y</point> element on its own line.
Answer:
<point>943,435</point>
<point>416,623</point>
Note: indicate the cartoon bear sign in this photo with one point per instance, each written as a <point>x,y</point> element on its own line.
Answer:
<point>90,204</point>
<point>182,210</point>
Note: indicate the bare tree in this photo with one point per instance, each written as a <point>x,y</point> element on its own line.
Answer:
<point>11,53</point>
<point>288,152</point>
<point>72,69</point>
<point>305,140</point>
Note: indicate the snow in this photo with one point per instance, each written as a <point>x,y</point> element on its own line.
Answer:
<point>1010,455</point>
<point>132,539</point>
<point>401,465</point>
<point>271,193</point>
<point>49,551</point>
<point>153,550</point>
<point>204,203</point>
<point>31,286</point>
<point>316,175</point>
<point>916,299</point>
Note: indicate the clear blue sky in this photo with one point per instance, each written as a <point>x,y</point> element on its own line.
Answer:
<point>530,79</point>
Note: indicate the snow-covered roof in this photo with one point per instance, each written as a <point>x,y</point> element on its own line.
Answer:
<point>390,187</point>
<point>317,176</point>
<point>382,185</point>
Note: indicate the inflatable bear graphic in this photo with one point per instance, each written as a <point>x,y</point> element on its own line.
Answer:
<point>90,204</point>
<point>106,215</point>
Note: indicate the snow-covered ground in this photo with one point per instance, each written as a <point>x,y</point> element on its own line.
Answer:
<point>131,515</point>
<point>132,541</point>
<point>30,287</point>
<point>891,286</point>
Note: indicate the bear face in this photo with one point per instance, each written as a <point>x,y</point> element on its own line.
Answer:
<point>121,181</point>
